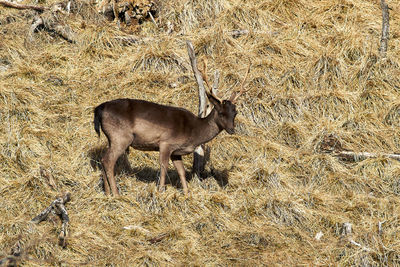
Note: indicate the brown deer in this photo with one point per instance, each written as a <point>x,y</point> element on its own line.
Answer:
<point>148,126</point>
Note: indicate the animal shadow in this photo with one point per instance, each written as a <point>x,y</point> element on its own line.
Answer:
<point>150,175</point>
<point>220,176</point>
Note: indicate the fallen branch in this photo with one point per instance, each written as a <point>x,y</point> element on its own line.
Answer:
<point>63,30</point>
<point>331,144</point>
<point>158,238</point>
<point>380,231</point>
<point>199,79</point>
<point>57,207</point>
<point>238,33</point>
<point>49,20</point>
<point>152,19</point>
<point>52,24</point>
<point>385,29</point>
<point>358,156</point>
<point>198,154</point>
<point>21,6</point>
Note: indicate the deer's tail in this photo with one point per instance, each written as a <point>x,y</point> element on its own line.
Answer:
<point>98,112</point>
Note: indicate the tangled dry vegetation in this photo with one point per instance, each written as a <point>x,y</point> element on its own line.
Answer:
<point>274,194</point>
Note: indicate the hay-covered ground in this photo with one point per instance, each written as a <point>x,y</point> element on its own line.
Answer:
<point>316,72</point>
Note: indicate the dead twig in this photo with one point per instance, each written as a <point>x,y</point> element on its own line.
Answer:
<point>358,156</point>
<point>380,231</point>
<point>238,33</point>
<point>43,215</point>
<point>21,6</point>
<point>57,207</point>
<point>52,24</point>
<point>385,29</point>
<point>198,154</point>
<point>331,144</point>
<point>158,238</point>
<point>152,19</point>
<point>49,20</point>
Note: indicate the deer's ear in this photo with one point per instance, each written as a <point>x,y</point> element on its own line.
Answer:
<point>216,102</point>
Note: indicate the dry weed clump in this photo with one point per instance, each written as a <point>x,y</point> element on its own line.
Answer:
<point>275,193</point>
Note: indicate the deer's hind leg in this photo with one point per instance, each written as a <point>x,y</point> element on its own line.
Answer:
<point>177,161</point>
<point>118,143</point>
<point>165,153</point>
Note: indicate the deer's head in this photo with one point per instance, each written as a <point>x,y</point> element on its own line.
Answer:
<point>226,109</point>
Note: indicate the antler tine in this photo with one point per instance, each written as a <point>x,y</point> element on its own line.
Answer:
<point>203,73</point>
<point>211,90</point>
<point>216,82</point>
<point>235,95</point>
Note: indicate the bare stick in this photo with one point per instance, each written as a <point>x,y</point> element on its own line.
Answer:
<point>37,21</point>
<point>331,144</point>
<point>57,206</point>
<point>158,238</point>
<point>62,212</point>
<point>64,31</point>
<point>198,154</point>
<point>170,27</point>
<point>214,89</point>
<point>385,29</point>
<point>152,19</point>
<point>238,33</point>
<point>358,156</point>
<point>21,6</point>
<point>43,215</point>
<point>346,229</point>
<point>199,79</point>
<point>380,231</point>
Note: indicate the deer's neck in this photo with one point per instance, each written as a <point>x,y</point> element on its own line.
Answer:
<point>207,128</point>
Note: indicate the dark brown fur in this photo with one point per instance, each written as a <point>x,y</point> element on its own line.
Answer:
<point>149,126</point>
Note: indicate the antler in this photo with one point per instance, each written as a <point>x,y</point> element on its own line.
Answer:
<point>203,73</point>
<point>211,90</point>
<point>235,95</point>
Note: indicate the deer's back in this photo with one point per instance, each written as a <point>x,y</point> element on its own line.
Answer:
<point>149,123</point>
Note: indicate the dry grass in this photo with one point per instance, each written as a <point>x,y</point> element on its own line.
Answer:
<point>316,71</point>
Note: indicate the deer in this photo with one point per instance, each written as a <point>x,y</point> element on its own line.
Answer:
<point>148,126</point>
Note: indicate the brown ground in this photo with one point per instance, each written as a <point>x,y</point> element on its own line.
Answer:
<point>316,72</point>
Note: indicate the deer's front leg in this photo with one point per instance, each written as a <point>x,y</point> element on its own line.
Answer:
<point>164,157</point>
<point>177,161</point>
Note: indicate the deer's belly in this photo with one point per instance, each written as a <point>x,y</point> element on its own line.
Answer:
<point>183,151</point>
<point>145,146</point>
<point>145,142</point>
